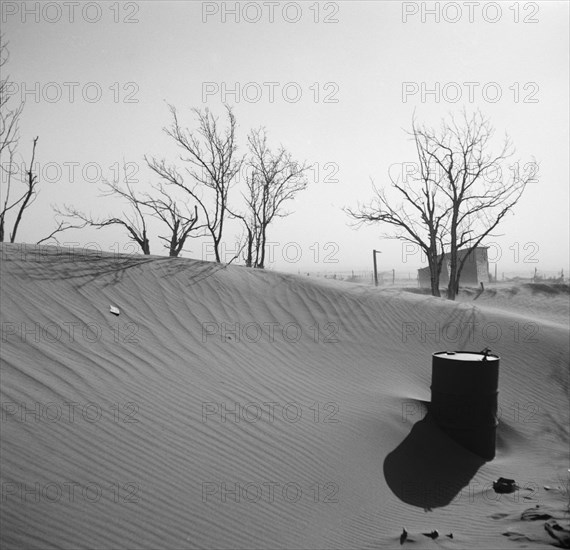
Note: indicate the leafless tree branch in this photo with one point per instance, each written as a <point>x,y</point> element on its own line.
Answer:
<point>211,163</point>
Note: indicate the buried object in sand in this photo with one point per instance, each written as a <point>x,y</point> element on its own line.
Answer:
<point>559,532</point>
<point>432,535</point>
<point>464,389</point>
<point>504,485</point>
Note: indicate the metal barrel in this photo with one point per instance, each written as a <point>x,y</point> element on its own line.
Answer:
<point>464,391</point>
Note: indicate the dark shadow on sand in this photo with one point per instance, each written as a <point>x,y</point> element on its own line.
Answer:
<point>428,469</point>
<point>43,262</point>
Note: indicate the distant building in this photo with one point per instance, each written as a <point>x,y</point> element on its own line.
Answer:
<point>475,270</point>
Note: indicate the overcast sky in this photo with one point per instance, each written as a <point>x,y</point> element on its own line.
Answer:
<point>347,78</point>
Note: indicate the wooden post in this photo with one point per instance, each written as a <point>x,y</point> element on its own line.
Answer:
<point>393,276</point>
<point>374,252</point>
<point>375,268</point>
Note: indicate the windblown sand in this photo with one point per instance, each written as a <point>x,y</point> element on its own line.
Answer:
<point>122,432</point>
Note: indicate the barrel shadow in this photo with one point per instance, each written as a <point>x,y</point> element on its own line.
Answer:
<point>428,469</point>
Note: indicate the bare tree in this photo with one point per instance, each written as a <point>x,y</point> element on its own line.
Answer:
<point>9,140</point>
<point>180,224</point>
<point>211,164</point>
<point>461,198</point>
<point>9,115</point>
<point>28,197</point>
<point>476,189</point>
<point>419,217</point>
<point>134,223</point>
<point>61,227</point>
<point>274,178</point>
<point>251,222</point>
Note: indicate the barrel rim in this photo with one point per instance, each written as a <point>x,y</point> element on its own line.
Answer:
<point>439,353</point>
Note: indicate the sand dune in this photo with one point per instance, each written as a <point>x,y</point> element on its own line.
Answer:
<point>545,301</point>
<point>233,408</point>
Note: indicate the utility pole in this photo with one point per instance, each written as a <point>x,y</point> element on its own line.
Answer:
<point>374,252</point>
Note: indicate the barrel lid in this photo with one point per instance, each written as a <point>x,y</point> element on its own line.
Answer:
<point>466,356</point>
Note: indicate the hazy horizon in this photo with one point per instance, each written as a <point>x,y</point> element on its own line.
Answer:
<point>336,83</point>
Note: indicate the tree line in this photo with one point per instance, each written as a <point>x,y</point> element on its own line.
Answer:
<point>205,172</point>
<point>448,204</point>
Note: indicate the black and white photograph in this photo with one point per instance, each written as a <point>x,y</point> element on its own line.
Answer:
<point>284,275</point>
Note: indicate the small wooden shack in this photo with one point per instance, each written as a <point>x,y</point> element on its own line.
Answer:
<point>475,270</point>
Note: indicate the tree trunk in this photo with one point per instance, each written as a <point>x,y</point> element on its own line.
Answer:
<point>261,263</point>
<point>248,258</point>
<point>433,266</point>
<point>434,279</point>
<point>217,249</point>
<point>453,284</point>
